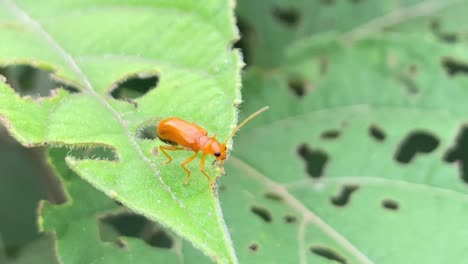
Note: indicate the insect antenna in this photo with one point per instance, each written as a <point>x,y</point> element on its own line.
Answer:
<point>235,130</point>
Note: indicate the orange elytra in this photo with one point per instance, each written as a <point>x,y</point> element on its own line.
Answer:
<point>184,135</point>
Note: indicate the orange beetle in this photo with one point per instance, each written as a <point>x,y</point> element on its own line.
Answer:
<point>184,135</point>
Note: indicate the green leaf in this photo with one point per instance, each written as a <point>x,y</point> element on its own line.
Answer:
<point>362,155</point>
<point>271,26</point>
<point>94,46</point>
<point>87,207</point>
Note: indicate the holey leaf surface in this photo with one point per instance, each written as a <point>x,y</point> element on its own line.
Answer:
<point>93,46</point>
<point>362,157</point>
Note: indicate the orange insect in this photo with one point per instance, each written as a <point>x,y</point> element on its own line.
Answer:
<point>184,135</point>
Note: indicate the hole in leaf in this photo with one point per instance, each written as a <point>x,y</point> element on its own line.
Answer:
<point>135,86</point>
<point>290,219</point>
<point>459,153</point>
<point>327,253</point>
<point>254,247</point>
<point>246,34</point>
<point>390,204</point>
<point>263,213</point>
<point>315,160</point>
<point>454,67</point>
<point>330,134</point>
<point>147,132</point>
<point>160,239</point>
<point>97,152</point>
<point>414,143</point>
<point>132,225</point>
<point>344,196</point>
<point>286,16</point>
<point>298,86</point>
<point>376,133</point>
<point>129,225</point>
<point>30,81</point>
<point>273,196</point>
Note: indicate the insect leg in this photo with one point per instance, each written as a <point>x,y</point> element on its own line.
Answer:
<point>163,148</point>
<point>202,168</point>
<point>186,169</point>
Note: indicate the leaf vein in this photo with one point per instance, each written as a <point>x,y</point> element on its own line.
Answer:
<point>308,215</point>
<point>29,21</point>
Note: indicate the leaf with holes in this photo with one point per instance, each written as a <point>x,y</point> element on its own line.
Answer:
<point>362,157</point>
<point>89,210</point>
<point>103,52</point>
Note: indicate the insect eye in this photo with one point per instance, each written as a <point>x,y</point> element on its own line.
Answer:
<point>217,154</point>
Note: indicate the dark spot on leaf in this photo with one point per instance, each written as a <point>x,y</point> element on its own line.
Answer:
<point>263,213</point>
<point>28,80</point>
<point>133,225</point>
<point>97,152</point>
<point>315,160</point>
<point>390,204</point>
<point>376,133</point>
<point>273,196</point>
<point>459,153</point>
<point>134,87</point>
<point>330,134</point>
<point>437,30</point>
<point>298,86</point>
<point>328,254</point>
<point>414,143</point>
<point>344,196</point>
<point>454,67</point>
<point>289,219</point>
<point>254,247</point>
<point>408,83</point>
<point>286,16</point>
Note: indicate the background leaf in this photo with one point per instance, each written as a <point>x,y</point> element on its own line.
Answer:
<point>354,162</point>
<point>95,46</point>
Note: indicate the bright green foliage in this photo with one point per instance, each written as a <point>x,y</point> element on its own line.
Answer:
<point>93,46</point>
<point>321,176</point>
<point>360,159</point>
